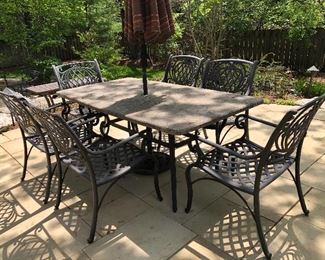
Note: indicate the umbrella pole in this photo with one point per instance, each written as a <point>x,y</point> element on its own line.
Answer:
<point>144,68</point>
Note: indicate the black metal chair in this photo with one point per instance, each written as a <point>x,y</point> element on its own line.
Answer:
<point>31,133</point>
<point>245,166</point>
<point>182,69</point>
<point>72,75</point>
<point>104,160</point>
<point>229,75</point>
<point>34,134</point>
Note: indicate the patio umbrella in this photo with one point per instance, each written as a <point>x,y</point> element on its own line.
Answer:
<point>146,22</point>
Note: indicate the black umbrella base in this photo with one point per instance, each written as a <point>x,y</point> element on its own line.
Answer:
<point>147,167</point>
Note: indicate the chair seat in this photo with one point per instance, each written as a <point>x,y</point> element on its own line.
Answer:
<point>107,166</point>
<point>38,143</point>
<point>239,173</point>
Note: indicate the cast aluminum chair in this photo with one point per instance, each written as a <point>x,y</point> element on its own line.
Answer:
<point>36,136</point>
<point>105,160</point>
<point>229,75</point>
<point>31,133</point>
<point>243,165</point>
<point>77,74</point>
<point>182,69</point>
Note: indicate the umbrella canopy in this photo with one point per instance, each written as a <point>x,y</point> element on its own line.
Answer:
<point>147,21</point>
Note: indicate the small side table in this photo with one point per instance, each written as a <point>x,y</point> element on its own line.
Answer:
<point>45,90</point>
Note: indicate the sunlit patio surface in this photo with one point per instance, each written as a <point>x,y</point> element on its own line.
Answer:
<point>133,224</point>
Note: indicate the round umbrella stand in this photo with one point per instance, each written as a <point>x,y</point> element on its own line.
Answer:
<point>147,167</point>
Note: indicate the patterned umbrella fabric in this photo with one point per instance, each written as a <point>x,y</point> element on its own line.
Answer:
<point>145,22</point>
<point>148,20</point>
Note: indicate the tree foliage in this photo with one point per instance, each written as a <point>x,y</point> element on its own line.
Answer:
<point>206,22</point>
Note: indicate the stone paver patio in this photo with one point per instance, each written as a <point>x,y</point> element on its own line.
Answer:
<point>133,224</point>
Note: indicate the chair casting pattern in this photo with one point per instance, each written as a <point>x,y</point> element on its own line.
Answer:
<point>243,165</point>
<point>229,75</point>
<point>182,69</point>
<point>77,74</point>
<point>104,160</point>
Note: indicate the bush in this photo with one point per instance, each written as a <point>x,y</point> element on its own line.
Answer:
<point>304,88</point>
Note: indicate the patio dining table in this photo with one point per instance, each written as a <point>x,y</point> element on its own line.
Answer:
<point>170,108</point>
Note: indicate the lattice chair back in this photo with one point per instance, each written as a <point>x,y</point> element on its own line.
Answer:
<point>21,114</point>
<point>230,75</point>
<point>182,69</point>
<point>63,138</point>
<point>77,74</point>
<point>290,132</point>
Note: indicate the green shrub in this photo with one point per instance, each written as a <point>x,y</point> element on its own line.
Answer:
<point>304,88</point>
<point>273,79</point>
<point>111,72</point>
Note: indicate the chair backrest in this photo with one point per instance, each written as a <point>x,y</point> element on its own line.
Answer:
<point>77,74</point>
<point>182,69</point>
<point>61,135</point>
<point>292,129</point>
<point>230,75</point>
<point>25,120</point>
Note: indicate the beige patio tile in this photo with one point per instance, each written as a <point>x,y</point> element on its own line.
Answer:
<point>276,199</point>
<point>14,146</point>
<point>320,114</point>
<point>10,171</point>
<point>293,238</point>
<point>228,227</point>
<point>322,160</point>
<point>48,234</point>
<point>142,185</point>
<point>79,256</point>
<point>316,129</point>
<point>3,138</point>
<point>37,164</point>
<point>198,249</point>
<point>81,204</point>
<point>205,193</point>
<point>149,236</point>
<point>13,134</point>
<point>314,176</point>
<point>315,203</point>
<point>115,214</point>
<point>312,150</point>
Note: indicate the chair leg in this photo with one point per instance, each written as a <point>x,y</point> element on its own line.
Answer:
<point>189,188</point>
<point>50,173</point>
<point>257,218</point>
<point>26,155</point>
<point>59,194</point>
<point>298,186</point>
<point>95,214</point>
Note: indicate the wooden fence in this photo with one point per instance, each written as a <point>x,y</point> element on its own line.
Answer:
<point>297,55</point>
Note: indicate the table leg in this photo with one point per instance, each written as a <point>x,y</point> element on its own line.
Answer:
<point>172,165</point>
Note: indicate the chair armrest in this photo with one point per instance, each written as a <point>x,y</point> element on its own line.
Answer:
<point>53,107</point>
<point>113,147</point>
<point>227,150</point>
<point>262,121</point>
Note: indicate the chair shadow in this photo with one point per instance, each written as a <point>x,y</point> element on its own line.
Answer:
<point>234,234</point>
